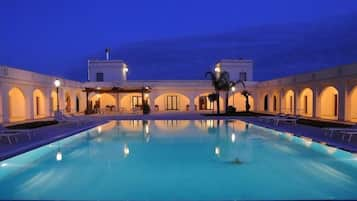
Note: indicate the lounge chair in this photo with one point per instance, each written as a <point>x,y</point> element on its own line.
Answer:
<point>350,133</point>
<point>66,119</point>
<point>285,119</point>
<point>14,133</point>
<point>331,131</point>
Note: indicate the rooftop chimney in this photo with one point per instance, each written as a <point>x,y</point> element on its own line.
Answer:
<point>107,53</point>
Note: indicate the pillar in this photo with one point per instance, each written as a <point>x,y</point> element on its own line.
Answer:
<point>48,109</point>
<point>342,94</point>
<point>28,92</point>
<point>192,102</point>
<point>315,99</point>
<point>297,109</point>
<point>5,103</point>
<point>281,101</point>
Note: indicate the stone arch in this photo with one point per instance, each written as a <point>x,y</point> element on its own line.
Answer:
<point>130,101</point>
<point>238,101</point>
<point>39,104</point>
<point>202,103</point>
<point>305,102</point>
<point>329,103</point>
<point>289,102</point>
<point>172,102</point>
<point>104,101</point>
<point>17,105</point>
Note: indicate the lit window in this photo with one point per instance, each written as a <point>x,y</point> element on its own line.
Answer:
<point>100,77</point>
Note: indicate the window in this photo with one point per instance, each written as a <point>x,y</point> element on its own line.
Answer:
<point>335,104</point>
<point>100,77</point>
<point>37,105</point>
<point>136,101</point>
<point>266,103</point>
<point>243,76</point>
<point>171,102</point>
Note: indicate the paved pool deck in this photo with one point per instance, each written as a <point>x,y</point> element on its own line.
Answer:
<point>48,134</point>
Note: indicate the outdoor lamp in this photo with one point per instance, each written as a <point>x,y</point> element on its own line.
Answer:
<point>57,83</point>
<point>233,89</point>
<point>217,69</point>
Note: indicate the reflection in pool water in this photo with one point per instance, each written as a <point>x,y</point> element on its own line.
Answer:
<point>180,160</point>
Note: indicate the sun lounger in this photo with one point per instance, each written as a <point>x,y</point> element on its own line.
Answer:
<point>350,133</point>
<point>331,131</point>
<point>9,134</point>
<point>285,119</point>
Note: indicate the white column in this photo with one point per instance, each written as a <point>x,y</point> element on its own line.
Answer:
<point>342,102</point>
<point>28,92</point>
<point>315,99</point>
<point>281,102</point>
<point>5,103</point>
<point>192,102</point>
<point>48,108</point>
<point>296,102</point>
<point>117,98</point>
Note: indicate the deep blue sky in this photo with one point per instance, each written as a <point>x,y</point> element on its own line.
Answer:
<point>57,37</point>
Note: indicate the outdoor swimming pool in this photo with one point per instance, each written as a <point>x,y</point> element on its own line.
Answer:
<point>180,160</point>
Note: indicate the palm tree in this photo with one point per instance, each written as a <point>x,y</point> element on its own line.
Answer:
<point>220,82</point>
<point>246,94</point>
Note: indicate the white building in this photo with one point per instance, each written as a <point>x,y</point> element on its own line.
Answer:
<point>327,94</point>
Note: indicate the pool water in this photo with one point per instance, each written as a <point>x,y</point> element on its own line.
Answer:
<point>180,160</point>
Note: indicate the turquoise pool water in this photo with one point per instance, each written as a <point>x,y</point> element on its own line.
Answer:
<point>180,160</point>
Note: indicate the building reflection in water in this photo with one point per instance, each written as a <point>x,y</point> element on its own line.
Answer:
<point>171,125</point>
<point>131,125</point>
<point>146,130</point>
<point>238,126</point>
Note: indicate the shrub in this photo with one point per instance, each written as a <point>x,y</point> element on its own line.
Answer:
<point>231,110</point>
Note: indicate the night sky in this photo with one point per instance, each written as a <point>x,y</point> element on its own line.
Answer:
<point>177,39</point>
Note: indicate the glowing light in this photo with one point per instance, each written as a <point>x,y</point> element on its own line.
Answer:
<point>147,129</point>
<point>97,96</point>
<point>126,150</point>
<point>233,137</point>
<point>59,156</point>
<point>146,95</point>
<point>217,151</point>
<point>98,88</point>
<point>307,141</point>
<point>331,150</point>
<point>3,164</point>
<point>217,69</point>
<point>125,68</point>
<point>57,83</point>
<point>289,136</point>
<point>99,129</point>
<point>233,89</point>
<point>210,123</point>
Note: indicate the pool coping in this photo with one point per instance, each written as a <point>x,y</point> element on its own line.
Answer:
<point>32,146</point>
